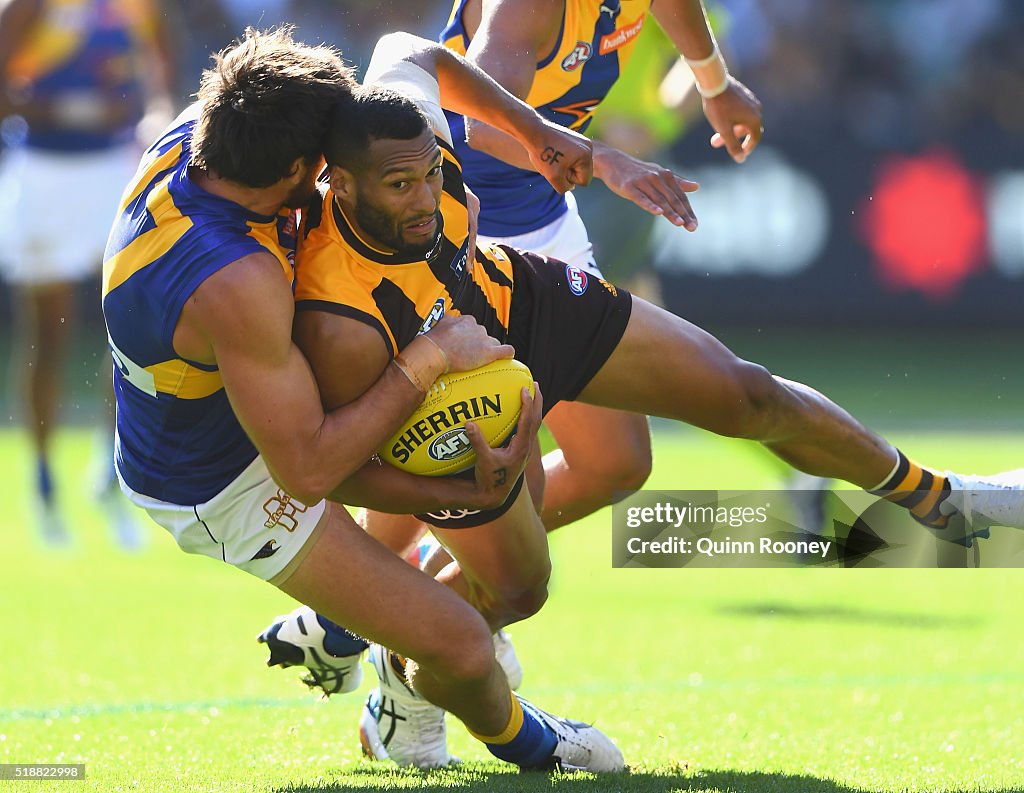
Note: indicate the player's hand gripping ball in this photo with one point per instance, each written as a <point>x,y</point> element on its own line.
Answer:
<point>433,441</point>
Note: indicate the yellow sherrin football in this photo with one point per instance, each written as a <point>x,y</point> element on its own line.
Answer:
<point>433,441</point>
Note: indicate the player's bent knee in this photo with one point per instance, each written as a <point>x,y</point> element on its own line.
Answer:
<point>531,594</point>
<point>511,601</point>
<point>626,469</point>
<point>467,658</point>
<point>634,469</point>
<point>758,395</point>
<point>461,651</point>
<point>526,602</point>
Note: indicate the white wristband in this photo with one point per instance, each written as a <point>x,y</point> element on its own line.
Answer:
<point>699,63</point>
<point>711,75</point>
<point>718,90</point>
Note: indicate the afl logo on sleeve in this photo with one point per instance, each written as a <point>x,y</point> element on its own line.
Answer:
<point>576,278</point>
<point>580,54</point>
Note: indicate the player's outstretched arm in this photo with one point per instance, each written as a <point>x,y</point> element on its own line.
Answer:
<point>511,38</point>
<point>561,156</point>
<point>730,107</point>
<point>243,315</point>
<point>650,186</point>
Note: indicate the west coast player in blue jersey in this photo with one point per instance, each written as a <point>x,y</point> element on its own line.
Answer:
<point>77,78</point>
<point>221,433</point>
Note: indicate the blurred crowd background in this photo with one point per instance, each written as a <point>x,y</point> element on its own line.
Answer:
<point>888,190</point>
<point>889,187</point>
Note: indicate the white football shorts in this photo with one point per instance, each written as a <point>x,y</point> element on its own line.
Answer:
<point>565,239</point>
<point>251,524</point>
<point>56,210</point>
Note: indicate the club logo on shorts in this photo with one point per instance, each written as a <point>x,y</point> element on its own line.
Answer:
<point>580,54</point>
<point>281,511</point>
<point>449,445</point>
<point>267,550</point>
<point>577,279</point>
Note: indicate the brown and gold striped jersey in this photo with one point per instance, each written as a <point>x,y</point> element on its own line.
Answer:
<point>400,295</point>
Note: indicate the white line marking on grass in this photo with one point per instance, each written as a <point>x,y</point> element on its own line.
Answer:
<point>693,683</point>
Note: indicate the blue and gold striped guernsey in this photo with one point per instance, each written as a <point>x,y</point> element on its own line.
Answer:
<point>177,437</point>
<point>86,49</point>
<point>596,40</point>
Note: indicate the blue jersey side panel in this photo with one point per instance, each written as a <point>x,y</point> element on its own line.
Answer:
<point>596,39</point>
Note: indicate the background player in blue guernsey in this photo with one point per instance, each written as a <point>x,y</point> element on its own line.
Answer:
<point>221,434</point>
<point>563,58</point>
<point>384,254</point>
<point>78,78</point>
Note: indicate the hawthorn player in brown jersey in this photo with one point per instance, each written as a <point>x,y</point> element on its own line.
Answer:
<point>386,254</point>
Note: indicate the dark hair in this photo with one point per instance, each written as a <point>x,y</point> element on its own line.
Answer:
<point>266,102</point>
<point>368,114</point>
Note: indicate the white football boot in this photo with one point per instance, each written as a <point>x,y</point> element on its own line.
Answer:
<point>298,639</point>
<point>983,501</point>
<point>397,723</point>
<point>581,747</point>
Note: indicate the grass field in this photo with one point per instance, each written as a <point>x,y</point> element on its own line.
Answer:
<point>144,667</point>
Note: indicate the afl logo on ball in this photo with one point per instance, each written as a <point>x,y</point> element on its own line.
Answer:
<point>580,54</point>
<point>577,279</point>
<point>449,445</point>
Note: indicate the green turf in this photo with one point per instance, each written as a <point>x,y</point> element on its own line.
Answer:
<point>144,667</point>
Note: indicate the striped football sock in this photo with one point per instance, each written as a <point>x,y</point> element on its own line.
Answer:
<point>921,490</point>
<point>526,741</point>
